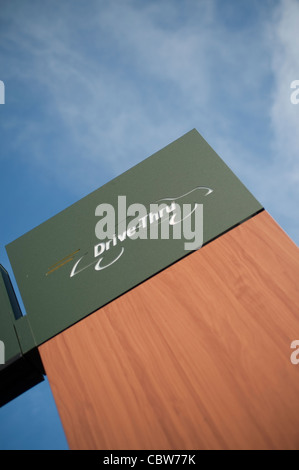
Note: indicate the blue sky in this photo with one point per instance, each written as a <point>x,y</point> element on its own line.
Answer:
<point>94,87</point>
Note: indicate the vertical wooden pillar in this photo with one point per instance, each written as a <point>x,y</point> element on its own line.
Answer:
<point>197,357</point>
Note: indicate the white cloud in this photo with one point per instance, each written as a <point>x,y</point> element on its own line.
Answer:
<point>283,172</point>
<point>121,79</point>
<point>284,114</point>
<point>153,78</point>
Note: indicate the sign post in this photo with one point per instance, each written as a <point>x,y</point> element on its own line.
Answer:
<point>149,342</point>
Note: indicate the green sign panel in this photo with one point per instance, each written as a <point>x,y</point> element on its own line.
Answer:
<point>111,240</point>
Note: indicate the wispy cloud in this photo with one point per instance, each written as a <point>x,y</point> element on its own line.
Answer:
<point>117,81</point>
<point>285,115</point>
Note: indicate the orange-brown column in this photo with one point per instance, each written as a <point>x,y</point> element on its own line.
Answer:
<point>197,357</point>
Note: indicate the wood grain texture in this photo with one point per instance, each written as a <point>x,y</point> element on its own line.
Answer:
<point>197,357</point>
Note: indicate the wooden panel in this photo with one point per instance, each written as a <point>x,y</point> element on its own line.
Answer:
<point>198,357</point>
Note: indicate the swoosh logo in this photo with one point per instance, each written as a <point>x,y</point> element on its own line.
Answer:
<point>98,263</point>
<point>209,191</point>
<point>172,222</point>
